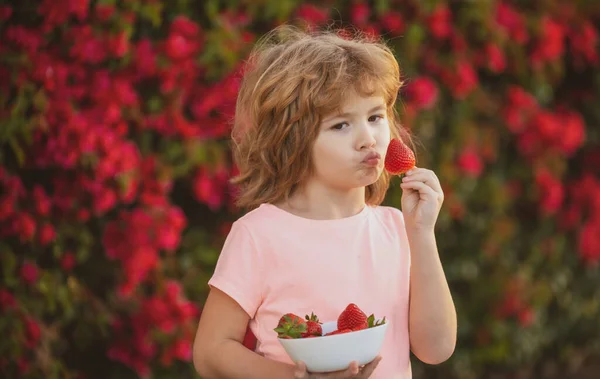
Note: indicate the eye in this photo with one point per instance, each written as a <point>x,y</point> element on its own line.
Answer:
<point>339,126</point>
<point>376,118</point>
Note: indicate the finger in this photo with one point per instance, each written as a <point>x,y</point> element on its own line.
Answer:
<point>369,368</point>
<point>426,176</point>
<point>351,371</point>
<point>424,190</point>
<point>300,372</point>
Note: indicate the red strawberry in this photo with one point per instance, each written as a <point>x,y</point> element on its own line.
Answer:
<point>313,326</point>
<point>339,331</point>
<point>399,158</point>
<point>352,318</point>
<point>290,326</point>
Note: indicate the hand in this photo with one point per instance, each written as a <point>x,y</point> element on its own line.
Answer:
<point>353,371</point>
<point>422,198</point>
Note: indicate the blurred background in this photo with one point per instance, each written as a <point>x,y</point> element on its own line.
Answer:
<point>114,165</point>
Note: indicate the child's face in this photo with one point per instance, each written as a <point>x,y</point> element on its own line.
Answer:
<point>344,151</point>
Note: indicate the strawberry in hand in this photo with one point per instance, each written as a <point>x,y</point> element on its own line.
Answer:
<point>399,158</point>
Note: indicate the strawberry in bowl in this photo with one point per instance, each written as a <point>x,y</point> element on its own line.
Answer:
<point>332,346</point>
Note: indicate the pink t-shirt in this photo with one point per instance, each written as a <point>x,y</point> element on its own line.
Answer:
<point>274,262</point>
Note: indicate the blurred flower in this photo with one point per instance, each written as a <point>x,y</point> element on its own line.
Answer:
<point>550,44</point>
<point>512,22</point>
<point>29,273</point>
<point>393,22</point>
<point>422,92</point>
<point>312,14</point>
<point>440,22</point>
<point>469,161</point>
<point>551,191</point>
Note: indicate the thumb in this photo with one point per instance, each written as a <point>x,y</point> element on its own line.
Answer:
<point>300,371</point>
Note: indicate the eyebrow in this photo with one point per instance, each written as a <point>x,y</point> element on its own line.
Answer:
<point>347,114</point>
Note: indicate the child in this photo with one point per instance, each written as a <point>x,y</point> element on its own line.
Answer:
<point>314,117</point>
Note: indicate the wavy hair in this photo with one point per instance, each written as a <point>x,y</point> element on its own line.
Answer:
<point>292,79</point>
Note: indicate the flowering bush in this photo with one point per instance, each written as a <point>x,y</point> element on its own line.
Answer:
<point>114,167</point>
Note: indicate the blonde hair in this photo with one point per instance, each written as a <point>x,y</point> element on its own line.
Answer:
<point>292,79</point>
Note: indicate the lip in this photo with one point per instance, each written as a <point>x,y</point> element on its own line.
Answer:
<point>372,159</point>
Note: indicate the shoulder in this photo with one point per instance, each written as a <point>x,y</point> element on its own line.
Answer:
<point>388,214</point>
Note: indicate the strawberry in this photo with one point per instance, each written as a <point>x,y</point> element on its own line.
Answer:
<point>352,318</point>
<point>339,331</point>
<point>313,327</point>
<point>399,157</point>
<point>290,326</point>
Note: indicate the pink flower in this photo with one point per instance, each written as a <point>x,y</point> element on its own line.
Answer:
<point>29,273</point>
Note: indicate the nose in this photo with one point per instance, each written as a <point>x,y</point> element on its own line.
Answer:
<point>365,138</point>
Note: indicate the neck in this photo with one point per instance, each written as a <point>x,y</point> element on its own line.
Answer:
<point>324,203</point>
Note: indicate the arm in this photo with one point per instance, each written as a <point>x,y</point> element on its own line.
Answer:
<point>218,351</point>
<point>432,317</point>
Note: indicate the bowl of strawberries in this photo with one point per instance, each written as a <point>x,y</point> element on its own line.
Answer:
<point>332,346</point>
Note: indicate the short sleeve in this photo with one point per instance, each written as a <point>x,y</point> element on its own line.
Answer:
<point>238,269</point>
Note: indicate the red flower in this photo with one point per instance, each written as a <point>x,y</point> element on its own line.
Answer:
<point>551,43</point>
<point>584,43</point>
<point>551,192</point>
<point>360,13</point>
<point>67,262</point>
<point>7,300</point>
<point>393,22</point>
<point>589,242</point>
<point>493,58</point>
<point>526,317</point>
<point>5,12</point>
<point>312,14</point>
<point>25,226</point>
<point>422,93</point>
<point>32,332</point>
<point>520,107</point>
<point>461,81</point>
<point>104,11</point>
<point>29,273</point>
<point>572,133</point>
<point>512,22</point>
<point>440,22</point>
<point>469,161</point>
<point>47,234</point>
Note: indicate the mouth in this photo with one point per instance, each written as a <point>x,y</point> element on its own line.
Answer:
<point>372,159</point>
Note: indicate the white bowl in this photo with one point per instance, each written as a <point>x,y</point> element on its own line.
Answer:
<point>335,353</point>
